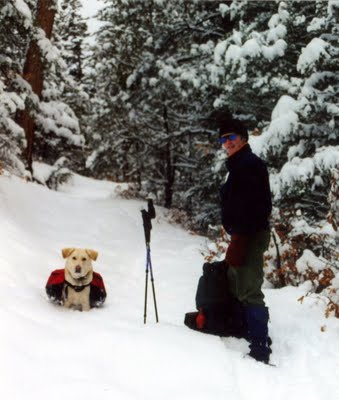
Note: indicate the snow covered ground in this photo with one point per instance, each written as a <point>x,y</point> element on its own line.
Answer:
<point>48,352</point>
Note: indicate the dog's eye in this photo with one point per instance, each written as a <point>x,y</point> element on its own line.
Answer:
<point>74,258</point>
<point>84,259</point>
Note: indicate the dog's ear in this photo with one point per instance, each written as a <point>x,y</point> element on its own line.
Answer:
<point>67,252</point>
<point>92,254</point>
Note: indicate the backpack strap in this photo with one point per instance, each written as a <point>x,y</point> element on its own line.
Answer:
<point>75,287</point>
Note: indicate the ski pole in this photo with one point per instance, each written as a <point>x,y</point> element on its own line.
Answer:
<point>146,287</point>
<point>153,287</point>
<point>146,217</point>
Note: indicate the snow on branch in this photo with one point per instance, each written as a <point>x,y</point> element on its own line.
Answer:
<point>269,44</point>
<point>58,117</point>
<point>284,122</point>
<point>311,54</point>
<point>23,9</point>
<point>304,169</point>
<point>10,103</point>
<point>50,52</point>
<point>333,5</point>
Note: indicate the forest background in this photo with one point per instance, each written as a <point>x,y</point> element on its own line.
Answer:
<point>138,103</point>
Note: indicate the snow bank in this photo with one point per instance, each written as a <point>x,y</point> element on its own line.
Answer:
<point>108,353</point>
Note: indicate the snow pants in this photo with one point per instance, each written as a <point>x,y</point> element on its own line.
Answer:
<point>245,281</point>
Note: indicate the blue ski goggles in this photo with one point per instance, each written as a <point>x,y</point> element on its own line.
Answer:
<point>230,137</point>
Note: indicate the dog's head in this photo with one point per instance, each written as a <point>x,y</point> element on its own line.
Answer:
<point>79,261</point>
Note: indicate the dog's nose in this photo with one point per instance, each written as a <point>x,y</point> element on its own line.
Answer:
<point>78,269</point>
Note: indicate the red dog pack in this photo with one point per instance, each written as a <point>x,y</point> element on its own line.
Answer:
<point>57,286</point>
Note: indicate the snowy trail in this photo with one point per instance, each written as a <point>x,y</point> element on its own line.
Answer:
<point>51,353</point>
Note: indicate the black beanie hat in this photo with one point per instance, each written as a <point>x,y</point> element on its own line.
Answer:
<point>233,126</point>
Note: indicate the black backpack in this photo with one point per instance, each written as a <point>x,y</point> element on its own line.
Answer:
<point>213,298</point>
<point>212,291</point>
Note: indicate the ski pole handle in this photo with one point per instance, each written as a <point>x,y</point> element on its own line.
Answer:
<point>147,225</point>
<point>146,217</point>
<point>151,209</point>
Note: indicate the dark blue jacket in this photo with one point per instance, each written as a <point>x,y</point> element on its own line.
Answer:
<point>246,197</point>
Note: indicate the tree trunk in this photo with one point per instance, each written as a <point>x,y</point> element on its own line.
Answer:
<point>33,71</point>
<point>170,170</point>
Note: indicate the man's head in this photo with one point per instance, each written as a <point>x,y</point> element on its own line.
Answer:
<point>233,135</point>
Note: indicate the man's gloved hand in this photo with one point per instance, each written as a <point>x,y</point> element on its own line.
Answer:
<point>200,319</point>
<point>237,250</point>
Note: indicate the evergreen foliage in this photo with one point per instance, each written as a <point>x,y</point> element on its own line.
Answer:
<point>15,28</point>
<point>161,69</point>
<point>70,36</point>
<point>57,127</point>
<point>146,93</point>
<point>152,96</point>
<point>302,140</point>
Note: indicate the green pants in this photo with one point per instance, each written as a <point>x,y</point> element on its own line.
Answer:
<point>245,281</point>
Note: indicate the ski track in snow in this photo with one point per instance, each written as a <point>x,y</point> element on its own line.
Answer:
<point>48,352</point>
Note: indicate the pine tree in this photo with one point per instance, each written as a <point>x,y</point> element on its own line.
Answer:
<point>57,132</point>
<point>33,70</point>
<point>170,93</point>
<point>72,31</point>
<point>69,37</point>
<point>39,99</point>
<point>151,103</point>
<point>302,139</point>
<point>15,29</point>
<point>255,63</point>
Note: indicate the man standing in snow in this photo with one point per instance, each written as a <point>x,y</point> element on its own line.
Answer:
<point>246,207</point>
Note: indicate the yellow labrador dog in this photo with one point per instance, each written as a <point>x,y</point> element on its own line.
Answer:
<point>78,278</point>
<point>77,286</point>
